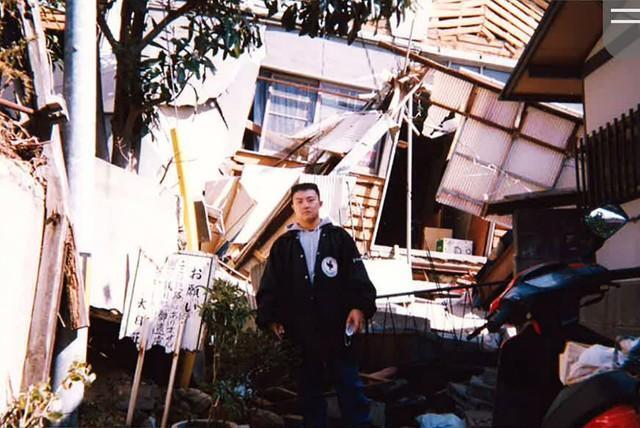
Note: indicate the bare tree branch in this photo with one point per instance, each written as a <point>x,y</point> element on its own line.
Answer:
<point>104,28</point>
<point>168,19</point>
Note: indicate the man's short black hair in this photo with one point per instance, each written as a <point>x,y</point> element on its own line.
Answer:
<point>301,187</point>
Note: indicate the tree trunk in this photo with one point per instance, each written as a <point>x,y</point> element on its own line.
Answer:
<point>127,111</point>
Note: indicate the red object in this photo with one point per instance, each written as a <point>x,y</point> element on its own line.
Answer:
<point>616,417</point>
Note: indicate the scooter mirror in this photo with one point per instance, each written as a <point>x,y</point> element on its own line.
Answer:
<point>607,220</point>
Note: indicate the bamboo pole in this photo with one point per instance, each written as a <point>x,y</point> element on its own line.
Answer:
<point>191,231</point>
<point>172,375</point>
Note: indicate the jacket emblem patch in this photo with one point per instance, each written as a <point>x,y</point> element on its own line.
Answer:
<point>329,266</point>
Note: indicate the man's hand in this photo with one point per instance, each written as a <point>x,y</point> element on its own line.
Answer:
<point>277,329</point>
<point>355,319</point>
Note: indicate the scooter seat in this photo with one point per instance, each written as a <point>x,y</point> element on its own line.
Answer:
<point>577,404</point>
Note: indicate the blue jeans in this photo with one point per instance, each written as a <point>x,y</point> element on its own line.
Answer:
<point>343,374</point>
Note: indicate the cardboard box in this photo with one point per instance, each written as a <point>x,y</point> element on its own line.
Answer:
<point>431,236</point>
<point>455,246</point>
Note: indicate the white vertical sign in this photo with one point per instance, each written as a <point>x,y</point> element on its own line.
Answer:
<point>167,295</point>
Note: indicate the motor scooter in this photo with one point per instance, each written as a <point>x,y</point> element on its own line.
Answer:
<point>544,302</point>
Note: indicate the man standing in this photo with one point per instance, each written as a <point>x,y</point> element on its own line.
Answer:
<point>315,289</point>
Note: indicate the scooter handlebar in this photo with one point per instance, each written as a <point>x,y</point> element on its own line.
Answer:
<point>494,323</point>
<point>628,273</point>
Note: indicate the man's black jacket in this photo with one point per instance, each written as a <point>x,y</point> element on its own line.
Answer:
<point>314,315</point>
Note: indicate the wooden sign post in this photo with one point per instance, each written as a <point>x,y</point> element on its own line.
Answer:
<point>163,308</point>
<point>172,376</point>
<point>138,373</point>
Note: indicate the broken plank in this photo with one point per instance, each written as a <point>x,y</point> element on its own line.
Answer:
<point>455,13</point>
<point>457,22</point>
<point>358,223</point>
<point>465,4</point>
<point>359,200</point>
<point>461,30</point>
<point>364,212</point>
<point>526,19</point>
<point>543,4</point>
<point>503,34</point>
<point>488,33</point>
<point>514,51</point>
<point>519,28</point>
<point>368,179</point>
<point>371,192</point>
<point>507,25</point>
<point>528,7</point>
<point>482,41</point>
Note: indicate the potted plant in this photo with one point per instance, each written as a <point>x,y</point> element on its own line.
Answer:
<point>241,358</point>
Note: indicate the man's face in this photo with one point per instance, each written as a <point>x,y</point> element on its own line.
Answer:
<point>306,206</point>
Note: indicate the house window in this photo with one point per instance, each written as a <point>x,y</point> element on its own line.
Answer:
<point>499,75</point>
<point>288,109</point>
<point>330,103</point>
<point>284,105</point>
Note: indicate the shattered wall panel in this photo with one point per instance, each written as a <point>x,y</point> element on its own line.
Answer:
<point>351,129</point>
<point>435,119</point>
<point>267,186</point>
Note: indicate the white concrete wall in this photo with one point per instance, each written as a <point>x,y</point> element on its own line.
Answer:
<point>619,312</point>
<point>331,59</point>
<point>612,89</point>
<point>21,223</point>
<point>132,212</point>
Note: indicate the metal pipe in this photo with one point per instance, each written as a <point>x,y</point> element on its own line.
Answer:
<point>17,107</point>
<point>80,59</point>
<point>443,289</point>
<point>409,174</point>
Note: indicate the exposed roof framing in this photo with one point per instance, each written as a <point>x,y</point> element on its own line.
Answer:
<point>496,27</point>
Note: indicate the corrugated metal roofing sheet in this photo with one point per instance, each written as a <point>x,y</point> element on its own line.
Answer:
<point>547,127</point>
<point>335,192</point>
<point>456,201</point>
<point>508,185</point>
<point>489,161</point>
<point>535,162</point>
<point>351,129</point>
<point>468,178</point>
<point>451,91</point>
<point>487,106</point>
<point>483,142</point>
